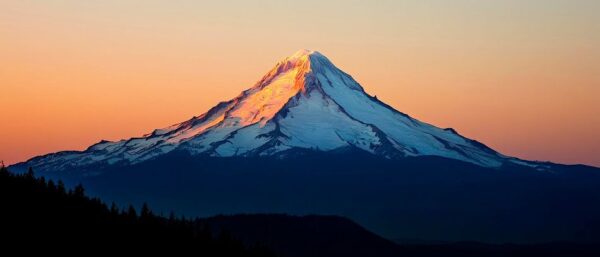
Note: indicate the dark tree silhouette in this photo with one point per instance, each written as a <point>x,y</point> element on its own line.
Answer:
<point>36,211</point>
<point>114,209</point>
<point>79,191</point>
<point>145,212</point>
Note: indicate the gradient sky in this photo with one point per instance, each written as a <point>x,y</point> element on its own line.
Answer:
<point>521,76</point>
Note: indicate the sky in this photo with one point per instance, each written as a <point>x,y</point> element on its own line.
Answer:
<point>521,76</point>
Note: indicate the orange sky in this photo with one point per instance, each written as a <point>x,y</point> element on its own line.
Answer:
<point>520,76</point>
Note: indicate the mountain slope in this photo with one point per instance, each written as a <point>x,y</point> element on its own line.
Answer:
<point>303,103</point>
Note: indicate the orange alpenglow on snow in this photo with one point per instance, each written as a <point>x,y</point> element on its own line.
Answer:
<point>274,90</point>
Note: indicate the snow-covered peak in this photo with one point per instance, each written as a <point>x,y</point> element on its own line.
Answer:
<point>303,103</point>
<point>301,53</point>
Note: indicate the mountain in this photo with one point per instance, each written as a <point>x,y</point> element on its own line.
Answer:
<point>303,103</point>
<point>307,139</point>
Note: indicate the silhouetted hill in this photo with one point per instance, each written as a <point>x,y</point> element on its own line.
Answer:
<point>298,236</point>
<point>36,213</point>
<point>316,236</point>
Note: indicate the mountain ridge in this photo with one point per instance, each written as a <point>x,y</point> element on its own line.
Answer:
<point>304,101</point>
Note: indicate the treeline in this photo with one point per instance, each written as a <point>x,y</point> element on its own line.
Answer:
<point>35,211</point>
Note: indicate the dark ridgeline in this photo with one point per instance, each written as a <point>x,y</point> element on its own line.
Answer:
<point>37,212</point>
<point>312,235</point>
<point>327,236</point>
<point>41,215</point>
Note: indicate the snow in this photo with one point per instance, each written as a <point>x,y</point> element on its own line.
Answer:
<point>244,140</point>
<point>195,130</point>
<point>316,122</point>
<point>303,102</point>
<point>263,104</point>
<point>403,130</point>
<point>264,100</point>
